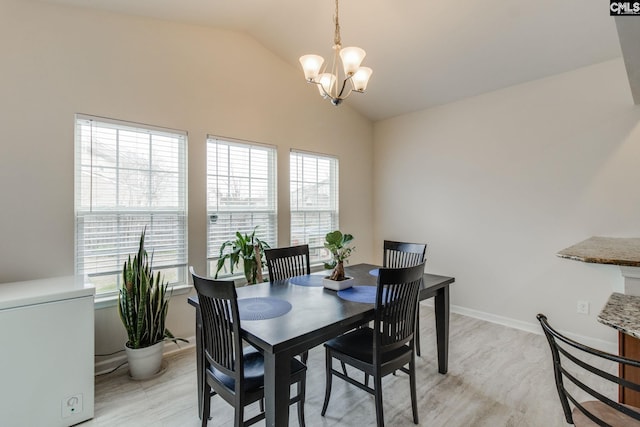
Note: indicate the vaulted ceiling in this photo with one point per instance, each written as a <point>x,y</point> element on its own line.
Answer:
<point>423,52</point>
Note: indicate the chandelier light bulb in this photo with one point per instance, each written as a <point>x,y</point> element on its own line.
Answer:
<point>311,65</point>
<point>351,59</point>
<point>327,82</point>
<point>361,78</point>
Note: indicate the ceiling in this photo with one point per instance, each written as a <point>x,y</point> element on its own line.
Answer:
<point>423,52</point>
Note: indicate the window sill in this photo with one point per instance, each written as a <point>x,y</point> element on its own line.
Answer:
<point>112,300</point>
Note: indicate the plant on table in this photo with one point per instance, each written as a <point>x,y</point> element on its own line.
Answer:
<point>339,246</point>
<point>249,249</point>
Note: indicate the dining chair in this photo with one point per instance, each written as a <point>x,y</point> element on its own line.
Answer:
<point>231,371</point>
<point>580,374</point>
<point>283,263</point>
<point>403,254</point>
<point>389,345</point>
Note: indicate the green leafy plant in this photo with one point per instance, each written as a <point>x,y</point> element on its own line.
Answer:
<point>244,247</point>
<point>339,246</point>
<point>143,302</point>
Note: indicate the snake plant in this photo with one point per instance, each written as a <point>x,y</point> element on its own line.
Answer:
<point>143,301</point>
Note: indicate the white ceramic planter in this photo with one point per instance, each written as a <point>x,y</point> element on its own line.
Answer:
<point>145,362</point>
<point>337,285</point>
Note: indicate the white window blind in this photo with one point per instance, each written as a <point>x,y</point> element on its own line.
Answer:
<point>314,201</point>
<point>129,177</point>
<point>241,194</point>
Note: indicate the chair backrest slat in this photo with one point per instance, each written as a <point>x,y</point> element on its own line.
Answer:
<point>581,366</point>
<point>396,305</point>
<point>284,263</point>
<point>403,254</point>
<point>222,343</point>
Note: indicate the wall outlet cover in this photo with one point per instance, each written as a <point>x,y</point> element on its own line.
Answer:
<point>71,405</point>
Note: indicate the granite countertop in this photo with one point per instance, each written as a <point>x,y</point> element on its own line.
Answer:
<point>605,250</point>
<point>622,312</point>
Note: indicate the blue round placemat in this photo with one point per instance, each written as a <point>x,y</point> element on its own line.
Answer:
<point>374,272</point>
<point>308,280</point>
<point>261,308</point>
<point>366,294</point>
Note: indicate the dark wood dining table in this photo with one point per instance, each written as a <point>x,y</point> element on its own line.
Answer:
<point>317,315</point>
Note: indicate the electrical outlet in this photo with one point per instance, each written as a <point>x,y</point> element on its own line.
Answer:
<point>583,307</point>
<point>71,405</point>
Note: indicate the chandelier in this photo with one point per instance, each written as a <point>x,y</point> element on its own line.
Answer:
<point>332,85</point>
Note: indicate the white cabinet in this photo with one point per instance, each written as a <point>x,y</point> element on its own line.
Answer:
<point>46,352</point>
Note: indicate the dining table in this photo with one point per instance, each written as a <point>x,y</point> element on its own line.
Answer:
<point>312,315</point>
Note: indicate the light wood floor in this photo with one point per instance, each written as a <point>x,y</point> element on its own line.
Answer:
<point>497,376</point>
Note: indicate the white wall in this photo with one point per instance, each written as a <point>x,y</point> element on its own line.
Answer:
<point>57,61</point>
<point>498,184</point>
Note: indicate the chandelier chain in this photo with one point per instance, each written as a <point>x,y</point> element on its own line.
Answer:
<point>336,38</point>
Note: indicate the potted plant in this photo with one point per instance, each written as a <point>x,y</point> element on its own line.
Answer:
<point>249,249</point>
<point>143,305</point>
<point>339,246</point>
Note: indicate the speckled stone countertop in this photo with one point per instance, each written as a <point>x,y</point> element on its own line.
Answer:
<point>622,312</point>
<point>605,250</point>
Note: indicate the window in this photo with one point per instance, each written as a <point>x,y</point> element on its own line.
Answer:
<point>241,194</point>
<point>314,201</point>
<point>129,177</point>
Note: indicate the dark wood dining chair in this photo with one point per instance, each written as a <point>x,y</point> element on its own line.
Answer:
<point>389,345</point>
<point>231,371</point>
<point>580,373</point>
<point>404,254</point>
<point>284,263</point>
<point>291,261</point>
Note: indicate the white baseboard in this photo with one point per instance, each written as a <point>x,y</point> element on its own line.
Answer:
<point>533,327</point>
<point>109,364</point>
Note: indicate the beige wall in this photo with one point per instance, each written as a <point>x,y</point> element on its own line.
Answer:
<point>57,61</point>
<point>498,183</point>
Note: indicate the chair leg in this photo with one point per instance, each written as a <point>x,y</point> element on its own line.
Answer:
<point>327,390</point>
<point>206,405</point>
<point>261,405</point>
<point>377,380</point>
<point>304,357</point>
<point>301,394</point>
<point>366,379</point>
<point>239,416</point>
<point>412,384</point>
<point>417,334</point>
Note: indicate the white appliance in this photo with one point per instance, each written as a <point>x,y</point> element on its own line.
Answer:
<point>46,352</point>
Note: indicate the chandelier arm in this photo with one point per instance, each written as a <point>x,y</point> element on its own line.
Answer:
<point>344,83</point>
<point>326,94</point>
<point>347,95</point>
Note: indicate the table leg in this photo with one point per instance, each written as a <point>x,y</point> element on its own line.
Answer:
<point>277,373</point>
<point>442,328</point>
<point>199,361</point>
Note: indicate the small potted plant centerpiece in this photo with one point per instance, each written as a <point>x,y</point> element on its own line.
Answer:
<point>249,249</point>
<point>143,304</point>
<point>339,246</point>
